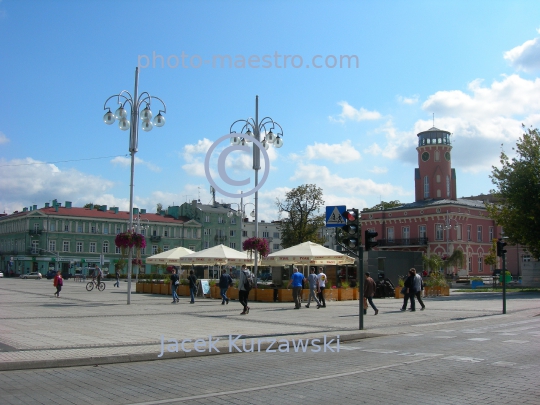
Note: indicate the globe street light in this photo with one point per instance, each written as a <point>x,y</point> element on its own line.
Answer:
<point>134,104</point>
<point>251,129</point>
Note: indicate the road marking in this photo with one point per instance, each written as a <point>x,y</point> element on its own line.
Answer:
<point>284,384</point>
<point>444,337</point>
<point>343,347</point>
<point>503,364</point>
<point>465,359</point>
<point>413,334</point>
<point>445,330</point>
<point>479,339</point>
<point>384,351</point>
<point>508,334</point>
<point>475,332</point>
<point>516,341</point>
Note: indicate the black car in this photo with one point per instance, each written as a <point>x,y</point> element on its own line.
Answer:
<point>50,274</point>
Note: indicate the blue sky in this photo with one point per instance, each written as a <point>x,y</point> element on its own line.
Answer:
<point>350,130</point>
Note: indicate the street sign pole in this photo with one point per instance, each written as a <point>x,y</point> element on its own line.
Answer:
<point>504,280</point>
<point>360,270</point>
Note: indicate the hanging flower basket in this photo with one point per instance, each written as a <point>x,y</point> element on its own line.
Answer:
<point>127,240</point>
<point>257,244</point>
<point>137,262</point>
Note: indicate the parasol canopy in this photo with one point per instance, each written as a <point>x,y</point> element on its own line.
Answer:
<point>169,257</point>
<point>307,253</point>
<point>220,255</point>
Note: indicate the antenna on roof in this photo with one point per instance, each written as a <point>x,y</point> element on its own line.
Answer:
<point>433,120</point>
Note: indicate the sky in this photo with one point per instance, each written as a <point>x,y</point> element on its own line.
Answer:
<point>350,83</point>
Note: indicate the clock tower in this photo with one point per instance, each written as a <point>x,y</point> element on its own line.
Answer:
<point>434,179</point>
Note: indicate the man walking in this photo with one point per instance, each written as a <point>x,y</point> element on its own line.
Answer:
<point>296,280</point>
<point>175,281</point>
<point>369,292</point>
<point>192,286</point>
<point>243,288</point>
<point>117,284</point>
<point>224,282</point>
<point>321,277</point>
<point>313,282</point>
<point>418,289</point>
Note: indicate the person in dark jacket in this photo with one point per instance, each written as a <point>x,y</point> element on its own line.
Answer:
<point>224,282</point>
<point>369,292</point>
<point>117,284</point>
<point>175,282</point>
<point>192,286</point>
<point>409,292</point>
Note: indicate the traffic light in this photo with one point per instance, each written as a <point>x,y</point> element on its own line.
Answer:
<point>350,233</point>
<point>368,242</point>
<point>500,248</point>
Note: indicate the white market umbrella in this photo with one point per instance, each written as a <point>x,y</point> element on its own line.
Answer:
<point>170,256</point>
<point>308,253</point>
<point>220,255</point>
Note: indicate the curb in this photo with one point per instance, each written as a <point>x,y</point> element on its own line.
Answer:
<point>130,358</point>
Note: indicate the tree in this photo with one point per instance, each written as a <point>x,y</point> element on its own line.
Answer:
<point>159,207</point>
<point>302,221</point>
<point>432,262</point>
<point>383,205</point>
<point>518,193</point>
<point>491,259</point>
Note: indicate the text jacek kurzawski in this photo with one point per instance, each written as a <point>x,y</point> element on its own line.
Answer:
<point>235,344</point>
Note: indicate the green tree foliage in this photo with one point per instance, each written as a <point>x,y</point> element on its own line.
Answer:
<point>518,193</point>
<point>159,207</point>
<point>383,205</point>
<point>300,215</point>
<point>491,258</point>
<point>432,262</point>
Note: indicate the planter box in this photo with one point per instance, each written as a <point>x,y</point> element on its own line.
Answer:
<point>355,294</point>
<point>232,293</point>
<point>445,291</point>
<point>265,294</point>
<point>345,294</point>
<point>166,289</point>
<point>215,292</point>
<point>139,287</point>
<point>398,294</point>
<point>331,294</point>
<point>156,288</point>
<point>476,283</point>
<point>147,288</point>
<point>285,295</point>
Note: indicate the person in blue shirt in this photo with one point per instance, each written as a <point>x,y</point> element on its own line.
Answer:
<point>225,281</point>
<point>297,281</point>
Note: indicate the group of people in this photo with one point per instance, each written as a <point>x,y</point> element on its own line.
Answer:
<point>413,288</point>
<point>317,284</point>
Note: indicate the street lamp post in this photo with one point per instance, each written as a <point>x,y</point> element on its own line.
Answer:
<point>448,226</point>
<point>135,104</point>
<point>252,128</point>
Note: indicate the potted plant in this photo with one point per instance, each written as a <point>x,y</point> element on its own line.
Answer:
<point>285,294</point>
<point>183,288</point>
<point>215,291</point>
<point>476,282</point>
<point>265,293</point>
<point>166,286</point>
<point>331,292</point>
<point>345,293</point>
<point>232,292</point>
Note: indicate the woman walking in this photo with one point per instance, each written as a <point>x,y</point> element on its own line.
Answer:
<point>58,283</point>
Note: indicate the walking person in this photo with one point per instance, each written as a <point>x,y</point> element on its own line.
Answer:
<point>297,281</point>
<point>418,287</point>
<point>225,281</point>
<point>322,284</point>
<point>409,292</point>
<point>117,284</point>
<point>369,292</point>
<point>192,286</point>
<point>244,286</point>
<point>175,282</point>
<point>313,284</point>
<point>58,282</point>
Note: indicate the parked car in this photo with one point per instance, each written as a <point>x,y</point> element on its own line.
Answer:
<point>1,274</point>
<point>50,274</point>
<point>34,274</point>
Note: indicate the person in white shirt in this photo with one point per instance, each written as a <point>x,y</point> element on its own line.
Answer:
<point>321,278</point>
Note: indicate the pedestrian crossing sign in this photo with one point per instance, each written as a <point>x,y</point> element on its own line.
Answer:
<point>334,216</point>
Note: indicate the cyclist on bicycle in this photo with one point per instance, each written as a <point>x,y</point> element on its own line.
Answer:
<point>99,273</point>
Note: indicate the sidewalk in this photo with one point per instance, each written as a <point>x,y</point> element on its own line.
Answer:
<point>86,328</point>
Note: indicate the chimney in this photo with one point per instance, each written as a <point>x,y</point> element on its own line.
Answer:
<point>24,209</point>
<point>114,209</point>
<point>143,210</point>
<point>68,204</point>
<point>34,207</point>
<point>47,205</point>
<point>103,208</point>
<point>135,211</point>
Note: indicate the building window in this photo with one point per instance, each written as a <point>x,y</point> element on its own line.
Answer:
<point>276,235</point>
<point>206,245</point>
<point>143,232</point>
<point>244,234</point>
<point>52,246</point>
<point>79,228</point>
<point>66,246</point>
<point>117,250</point>
<point>118,230</point>
<point>266,234</point>
<point>220,220</point>
<point>92,247</point>
<point>479,233</point>
<point>106,229</point>
<point>166,233</point>
<point>469,233</point>
<point>390,234</point>
<point>105,247</point>
<point>490,233</point>
<point>154,233</point>
<point>52,227</point>
<point>438,178</point>
<point>191,247</point>
<point>470,264</point>
<point>480,264</point>
<point>207,232</point>
<point>458,232</point>
<point>93,229</point>
<point>207,218</point>
<point>66,228</point>
<point>448,186</point>
<point>422,231</point>
<point>143,251</point>
<point>35,246</point>
<point>154,249</point>
<point>438,232</point>
<point>275,246</point>
<point>438,193</point>
<point>437,155</point>
<point>526,258</point>
<point>232,245</point>
<point>233,221</point>
<point>406,234</point>
<point>79,247</point>
<point>165,248</point>
<point>232,233</point>
<point>426,187</point>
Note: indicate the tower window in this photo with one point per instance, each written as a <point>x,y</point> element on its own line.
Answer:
<point>426,187</point>
<point>448,186</point>
<point>437,155</point>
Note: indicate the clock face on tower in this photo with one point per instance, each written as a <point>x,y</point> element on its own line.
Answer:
<point>425,156</point>
<point>447,156</point>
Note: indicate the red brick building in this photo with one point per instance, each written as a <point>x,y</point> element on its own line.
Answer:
<point>437,222</point>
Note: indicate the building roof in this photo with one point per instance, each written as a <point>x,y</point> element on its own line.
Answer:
<point>433,203</point>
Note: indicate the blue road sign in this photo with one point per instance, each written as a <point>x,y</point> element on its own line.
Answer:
<point>334,216</point>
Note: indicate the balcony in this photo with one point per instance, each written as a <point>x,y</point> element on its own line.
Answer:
<point>402,242</point>
<point>35,231</point>
<point>155,238</point>
<point>220,238</point>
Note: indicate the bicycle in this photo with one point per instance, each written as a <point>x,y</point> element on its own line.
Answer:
<point>90,286</point>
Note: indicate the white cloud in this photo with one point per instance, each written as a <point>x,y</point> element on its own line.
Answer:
<point>408,100</point>
<point>526,56</point>
<point>338,153</point>
<point>379,170</point>
<point>126,161</point>
<point>3,138</point>
<point>201,147</point>
<point>349,113</point>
